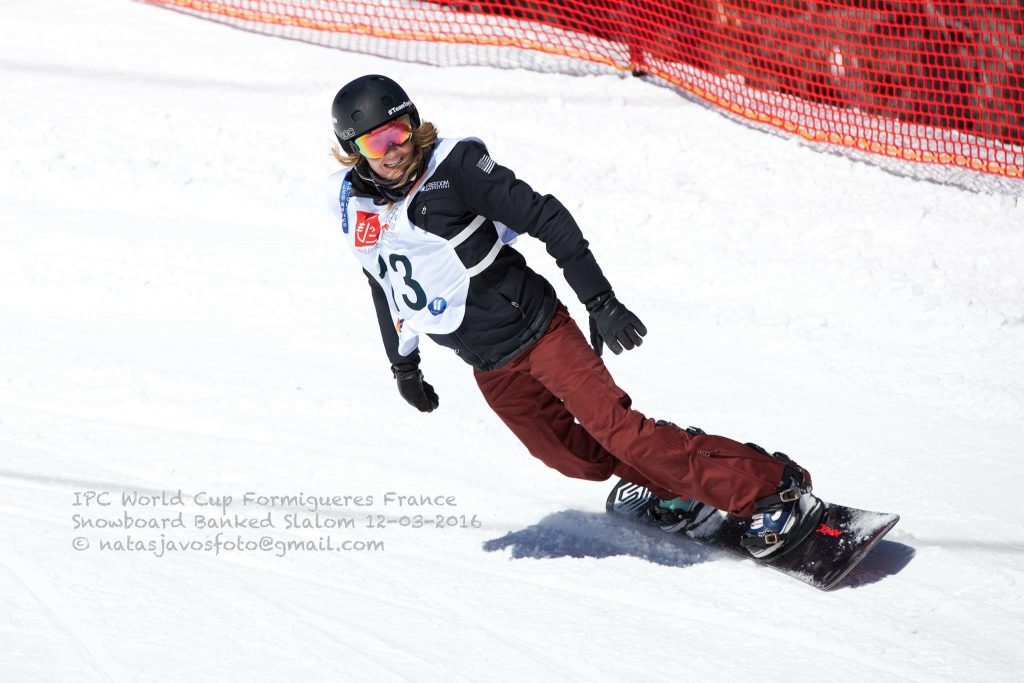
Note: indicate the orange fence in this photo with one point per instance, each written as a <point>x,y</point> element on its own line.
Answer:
<point>936,81</point>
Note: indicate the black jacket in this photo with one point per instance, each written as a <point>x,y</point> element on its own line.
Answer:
<point>509,306</point>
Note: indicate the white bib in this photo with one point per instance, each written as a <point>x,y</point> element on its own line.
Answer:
<point>425,281</point>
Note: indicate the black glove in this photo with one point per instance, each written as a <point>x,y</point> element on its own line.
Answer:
<point>613,324</point>
<point>413,389</point>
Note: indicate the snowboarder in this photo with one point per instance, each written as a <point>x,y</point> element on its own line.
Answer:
<point>430,220</point>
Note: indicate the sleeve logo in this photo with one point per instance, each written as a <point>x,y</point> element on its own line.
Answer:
<point>486,164</point>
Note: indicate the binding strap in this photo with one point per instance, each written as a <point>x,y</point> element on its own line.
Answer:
<point>757,542</point>
<point>778,500</point>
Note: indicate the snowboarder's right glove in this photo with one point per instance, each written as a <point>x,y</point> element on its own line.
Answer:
<point>613,324</point>
<point>413,389</point>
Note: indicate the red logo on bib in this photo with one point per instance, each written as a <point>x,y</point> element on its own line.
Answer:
<point>367,229</point>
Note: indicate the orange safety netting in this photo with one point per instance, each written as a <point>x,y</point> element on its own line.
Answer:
<point>939,80</point>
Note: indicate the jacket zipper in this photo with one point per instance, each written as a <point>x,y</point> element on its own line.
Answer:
<point>512,302</point>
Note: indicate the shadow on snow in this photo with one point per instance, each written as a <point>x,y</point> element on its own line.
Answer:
<point>572,533</point>
<point>885,559</point>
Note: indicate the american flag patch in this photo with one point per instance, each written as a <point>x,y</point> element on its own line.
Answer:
<point>486,164</point>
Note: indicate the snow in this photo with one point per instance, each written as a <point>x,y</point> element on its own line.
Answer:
<point>178,314</point>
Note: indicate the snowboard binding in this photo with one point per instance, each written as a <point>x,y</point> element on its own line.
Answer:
<point>679,514</point>
<point>784,519</point>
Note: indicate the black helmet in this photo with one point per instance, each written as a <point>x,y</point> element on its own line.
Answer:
<point>368,102</point>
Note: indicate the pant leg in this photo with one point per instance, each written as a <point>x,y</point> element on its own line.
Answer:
<point>549,431</point>
<point>713,469</point>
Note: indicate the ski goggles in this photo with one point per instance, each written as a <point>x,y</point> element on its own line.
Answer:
<point>377,142</point>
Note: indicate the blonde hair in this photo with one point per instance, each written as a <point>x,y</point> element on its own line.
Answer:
<point>423,139</point>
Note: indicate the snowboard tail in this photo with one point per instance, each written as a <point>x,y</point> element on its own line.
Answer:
<point>841,538</point>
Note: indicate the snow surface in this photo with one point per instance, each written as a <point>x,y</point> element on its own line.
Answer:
<point>178,314</point>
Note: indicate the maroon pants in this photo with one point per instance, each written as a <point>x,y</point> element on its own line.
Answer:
<point>562,403</point>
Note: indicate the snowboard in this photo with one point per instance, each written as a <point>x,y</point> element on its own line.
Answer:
<point>842,539</point>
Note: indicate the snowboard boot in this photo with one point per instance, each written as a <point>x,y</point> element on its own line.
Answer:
<point>679,514</point>
<point>784,519</point>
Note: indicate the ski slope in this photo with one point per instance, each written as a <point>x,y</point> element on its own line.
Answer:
<point>183,332</point>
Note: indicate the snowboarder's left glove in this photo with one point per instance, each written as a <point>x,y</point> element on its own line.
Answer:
<point>413,389</point>
<point>613,324</point>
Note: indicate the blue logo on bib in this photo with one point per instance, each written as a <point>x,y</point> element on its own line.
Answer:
<point>437,306</point>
